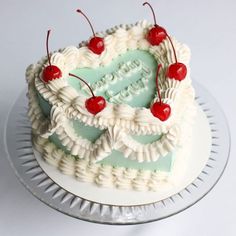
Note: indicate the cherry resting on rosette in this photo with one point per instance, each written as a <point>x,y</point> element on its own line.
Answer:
<point>96,44</point>
<point>95,104</point>
<point>50,72</point>
<point>155,36</point>
<point>160,109</point>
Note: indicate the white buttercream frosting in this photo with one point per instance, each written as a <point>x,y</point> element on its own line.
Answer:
<point>119,121</point>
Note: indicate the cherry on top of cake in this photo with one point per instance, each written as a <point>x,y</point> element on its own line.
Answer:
<point>155,36</point>
<point>94,104</point>
<point>50,72</point>
<point>160,109</point>
<point>96,44</point>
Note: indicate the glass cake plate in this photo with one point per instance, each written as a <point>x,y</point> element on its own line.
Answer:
<point>112,206</point>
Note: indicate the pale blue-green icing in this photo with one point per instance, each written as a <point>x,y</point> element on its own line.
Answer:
<point>116,159</point>
<point>130,73</point>
<point>145,139</point>
<point>88,132</point>
<point>54,139</point>
<point>45,106</point>
<point>130,79</point>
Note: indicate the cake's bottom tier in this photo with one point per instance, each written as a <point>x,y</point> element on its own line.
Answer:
<point>113,176</point>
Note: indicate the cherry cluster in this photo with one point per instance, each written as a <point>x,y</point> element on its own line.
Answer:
<point>177,70</point>
<point>95,104</point>
<point>155,36</point>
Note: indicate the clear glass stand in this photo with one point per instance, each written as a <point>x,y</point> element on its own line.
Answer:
<point>22,158</point>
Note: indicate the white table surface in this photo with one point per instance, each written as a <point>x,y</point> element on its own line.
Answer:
<point>208,27</point>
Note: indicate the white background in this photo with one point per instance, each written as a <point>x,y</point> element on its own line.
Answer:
<point>208,27</point>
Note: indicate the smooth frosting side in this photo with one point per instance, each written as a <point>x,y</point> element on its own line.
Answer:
<point>118,119</point>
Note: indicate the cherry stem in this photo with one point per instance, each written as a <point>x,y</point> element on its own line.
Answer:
<point>49,60</point>
<point>84,82</point>
<point>153,13</point>
<point>79,11</point>
<point>172,45</point>
<point>157,84</point>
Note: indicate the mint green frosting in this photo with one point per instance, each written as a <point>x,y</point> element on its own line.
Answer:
<point>87,132</point>
<point>45,106</point>
<point>117,159</point>
<point>54,139</point>
<point>129,79</point>
<point>145,139</point>
<point>133,72</point>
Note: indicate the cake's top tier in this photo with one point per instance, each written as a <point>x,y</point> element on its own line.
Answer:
<point>120,119</point>
<point>70,102</point>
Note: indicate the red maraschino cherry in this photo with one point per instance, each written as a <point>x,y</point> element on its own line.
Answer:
<point>160,109</point>
<point>95,104</point>
<point>156,34</point>
<point>177,70</point>
<point>50,72</point>
<point>96,44</point>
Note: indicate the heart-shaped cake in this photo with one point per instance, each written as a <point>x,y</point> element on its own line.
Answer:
<point>121,118</point>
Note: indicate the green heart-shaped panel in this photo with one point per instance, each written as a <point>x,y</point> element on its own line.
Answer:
<point>129,78</point>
